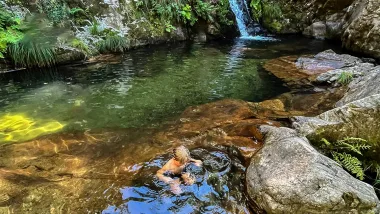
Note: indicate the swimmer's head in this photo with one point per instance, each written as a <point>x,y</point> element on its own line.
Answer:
<point>181,154</point>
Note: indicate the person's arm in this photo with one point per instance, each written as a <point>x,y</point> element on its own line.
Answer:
<point>196,162</point>
<point>160,174</point>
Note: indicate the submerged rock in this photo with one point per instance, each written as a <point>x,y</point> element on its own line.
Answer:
<point>82,172</point>
<point>289,176</point>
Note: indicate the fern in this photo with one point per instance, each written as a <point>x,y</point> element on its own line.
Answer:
<point>340,152</point>
<point>350,163</point>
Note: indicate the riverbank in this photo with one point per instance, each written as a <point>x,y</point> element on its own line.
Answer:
<point>44,33</point>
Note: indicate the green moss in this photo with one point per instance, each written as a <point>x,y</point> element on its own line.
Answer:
<point>80,45</point>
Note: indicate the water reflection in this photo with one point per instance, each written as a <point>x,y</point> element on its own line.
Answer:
<point>218,188</point>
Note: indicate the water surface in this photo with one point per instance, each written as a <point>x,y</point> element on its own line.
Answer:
<point>146,87</point>
<point>130,97</point>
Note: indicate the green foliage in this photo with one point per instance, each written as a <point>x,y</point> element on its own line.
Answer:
<point>268,12</point>
<point>76,10</point>
<point>169,27</point>
<point>204,10</point>
<point>223,11</point>
<point>28,53</point>
<point>79,44</point>
<point>94,30</point>
<point>257,9</point>
<point>9,31</point>
<point>55,10</point>
<point>187,15</point>
<point>345,78</point>
<point>184,11</point>
<point>116,44</point>
<point>344,151</point>
<point>350,163</point>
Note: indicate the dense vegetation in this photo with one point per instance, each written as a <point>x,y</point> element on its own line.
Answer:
<point>268,13</point>
<point>36,39</point>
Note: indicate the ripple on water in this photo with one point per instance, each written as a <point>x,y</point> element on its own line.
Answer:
<point>218,188</point>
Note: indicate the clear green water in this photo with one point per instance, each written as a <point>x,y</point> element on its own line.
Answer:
<point>148,86</point>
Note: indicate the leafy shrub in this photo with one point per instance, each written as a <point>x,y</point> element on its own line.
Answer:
<point>345,78</point>
<point>268,13</point>
<point>346,153</point>
<point>184,11</point>
<point>37,46</point>
<point>169,27</point>
<point>223,11</point>
<point>55,10</point>
<point>115,44</point>
<point>9,31</point>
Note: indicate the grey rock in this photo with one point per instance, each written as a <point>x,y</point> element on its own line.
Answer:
<point>289,176</point>
<point>327,60</point>
<point>362,87</point>
<point>360,119</point>
<point>316,30</point>
<point>356,71</point>
<point>362,29</point>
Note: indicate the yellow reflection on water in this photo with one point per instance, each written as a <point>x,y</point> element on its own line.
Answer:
<point>18,128</point>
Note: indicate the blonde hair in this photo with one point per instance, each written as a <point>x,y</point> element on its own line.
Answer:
<point>181,154</point>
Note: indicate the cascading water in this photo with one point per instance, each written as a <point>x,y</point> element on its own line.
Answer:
<point>246,25</point>
<point>238,10</point>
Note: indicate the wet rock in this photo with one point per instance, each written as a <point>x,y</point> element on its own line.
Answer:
<point>289,176</point>
<point>362,87</point>
<point>298,72</point>
<point>302,103</point>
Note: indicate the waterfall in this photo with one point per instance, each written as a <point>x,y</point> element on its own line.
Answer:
<point>238,10</point>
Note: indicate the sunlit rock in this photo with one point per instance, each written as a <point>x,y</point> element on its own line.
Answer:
<point>289,176</point>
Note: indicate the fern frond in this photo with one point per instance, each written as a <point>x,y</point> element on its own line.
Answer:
<point>350,163</point>
<point>325,141</point>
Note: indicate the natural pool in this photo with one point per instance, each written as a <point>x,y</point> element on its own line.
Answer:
<point>148,86</point>
<point>125,101</point>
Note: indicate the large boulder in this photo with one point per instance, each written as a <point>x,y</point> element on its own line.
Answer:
<point>362,87</point>
<point>360,119</point>
<point>289,176</point>
<point>362,29</point>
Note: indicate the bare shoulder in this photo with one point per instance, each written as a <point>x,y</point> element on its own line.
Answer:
<point>168,165</point>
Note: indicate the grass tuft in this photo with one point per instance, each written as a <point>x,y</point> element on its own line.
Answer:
<point>30,54</point>
<point>115,44</point>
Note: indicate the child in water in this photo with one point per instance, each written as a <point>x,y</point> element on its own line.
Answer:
<point>176,166</point>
